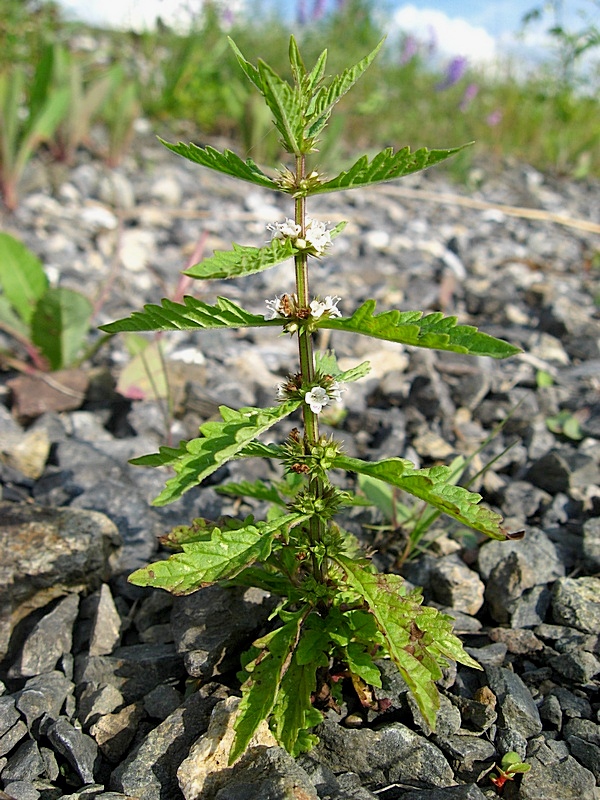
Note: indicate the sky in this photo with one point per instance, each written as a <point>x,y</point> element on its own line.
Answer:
<point>477,29</point>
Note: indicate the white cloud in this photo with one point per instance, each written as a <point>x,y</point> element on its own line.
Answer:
<point>139,14</point>
<point>453,36</point>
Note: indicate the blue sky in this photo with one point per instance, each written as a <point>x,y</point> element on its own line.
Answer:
<point>478,29</point>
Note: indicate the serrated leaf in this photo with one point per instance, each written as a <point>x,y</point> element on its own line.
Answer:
<point>385,166</point>
<point>207,561</point>
<point>361,663</point>
<point>60,325</point>
<point>193,461</point>
<point>326,97</point>
<point>192,314</point>
<point>293,714</point>
<point>326,362</point>
<point>260,690</point>
<point>434,331</point>
<point>200,530</point>
<point>433,486</point>
<point>286,107</point>
<point>243,260</point>
<point>226,162</point>
<point>296,62</point>
<point>22,278</point>
<point>317,72</point>
<point>395,612</point>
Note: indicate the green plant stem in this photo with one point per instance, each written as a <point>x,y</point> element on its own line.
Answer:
<point>307,366</point>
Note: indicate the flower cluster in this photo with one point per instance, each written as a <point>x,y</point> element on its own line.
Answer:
<point>316,235</point>
<point>328,306</point>
<point>325,390</point>
<point>319,396</point>
<point>282,305</point>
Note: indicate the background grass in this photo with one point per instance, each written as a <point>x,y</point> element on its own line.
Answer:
<point>191,86</point>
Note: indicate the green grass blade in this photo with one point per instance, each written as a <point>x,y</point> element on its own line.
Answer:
<point>434,331</point>
<point>226,162</point>
<point>243,260</point>
<point>221,441</point>
<point>23,281</point>
<point>385,166</point>
<point>433,486</point>
<point>190,315</point>
<point>207,561</point>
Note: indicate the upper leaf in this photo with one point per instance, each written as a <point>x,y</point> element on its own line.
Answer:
<point>326,97</point>
<point>412,328</point>
<point>226,162</point>
<point>385,166</point>
<point>433,486</point>
<point>207,561</point>
<point>190,315</point>
<point>285,103</point>
<point>193,461</point>
<point>243,260</point>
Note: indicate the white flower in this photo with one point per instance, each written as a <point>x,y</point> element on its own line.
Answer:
<point>284,230</point>
<point>316,399</point>
<point>335,391</point>
<point>329,306</point>
<point>317,236</point>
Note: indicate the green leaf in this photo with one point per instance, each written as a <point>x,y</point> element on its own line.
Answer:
<point>395,613</point>
<point>249,69</point>
<point>22,278</point>
<point>226,162</point>
<point>432,485</point>
<point>189,315</point>
<point>385,166</point>
<point>412,328</point>
<point>327,96</point>
<point>60,325</point>
<point>326,362</point>
<point>195,460</point>
<point>286,106</point>
<point>243,260</point>
<point>361,663</point>
<point>223,556</point>
<point>260,690</point>
<point>293,713</point>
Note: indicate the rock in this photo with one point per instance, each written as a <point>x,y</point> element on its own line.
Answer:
<point>34,395</point>
<point>393,754</point>
<point>43,694</point>
<point>516,708</point>
<point>78,748</point>
<point>455,585</point>
<point>50,639</point>
<point>576,667</point>
<point>555,776</point>
<point>264,770</point>
<point>106,628</point>
<point>150,771</point>
<point>46,553</point>
<point>26,763</point>
<point>468,792</point>
<point>113,733</point>
<point>591,544</point>
<point>576,602</point>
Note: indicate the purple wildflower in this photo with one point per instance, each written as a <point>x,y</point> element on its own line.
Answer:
<point>454,72</point>
<point>495,118</point>
<point>470,94</point>
<point>318,9</point>
<point>301,12</point>
<point>410,48</point>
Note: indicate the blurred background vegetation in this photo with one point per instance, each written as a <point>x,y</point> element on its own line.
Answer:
<point>61,82</point>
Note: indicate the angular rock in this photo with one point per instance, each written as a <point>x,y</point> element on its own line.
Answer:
<point>50,639</point>
<point>113,733</point>
<point>555,776</point>
<point>43,694</point>
<point>455,585</point>
<point>591,544</point>
<point>467,792</point>
<point>576,602</point>
<point>106,627</point>
<point>80,750</point>
<point>12,737</point>
<point>46,553</point>
<point>150,771</point>
<point>516,708</point>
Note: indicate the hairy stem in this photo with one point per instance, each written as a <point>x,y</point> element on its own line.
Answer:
<point>307,362</point>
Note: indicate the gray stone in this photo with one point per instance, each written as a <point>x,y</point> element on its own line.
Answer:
<point>393,754</point>
<point>576,602</point>
<point>46,553</point>
<point>587,754</point>
<point>538,550</point>
<point>20,790</point>
<point>50,639</point>
<point>468,755</point>
<point>43,694</point>
<point>134,669</point>
<point>211,625</point>
<point>106,627</point>
<point>162,701</point>
<point>553,777</point>
<point>78,748</point>
<point>267,773</point>
<point>95,700</point>
<point>455,585</point>
<point>576,667</point>
<point>467,792</point>
<point>12,737</point>
<point>551,712</point>
<point>573,706</point>
<point>113,733</point>
<point>8,714</point>
<point>25,764</point>
<point>516,708</point>
<point>150,771</point>
<point>584,729</point>
<point>591,544</point>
